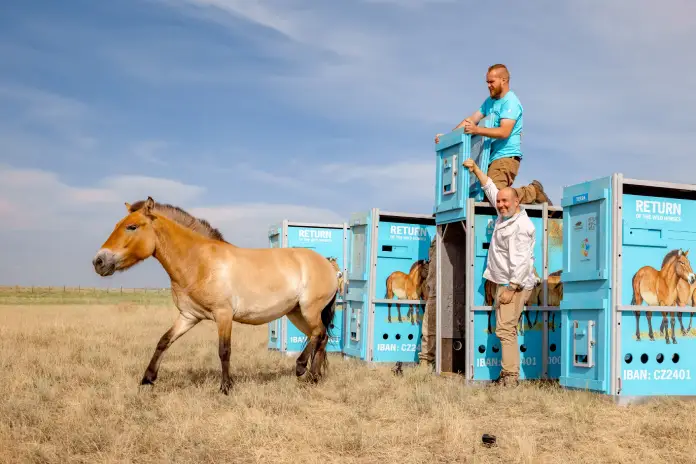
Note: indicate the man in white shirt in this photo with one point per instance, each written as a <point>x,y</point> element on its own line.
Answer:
<point>510,266</point>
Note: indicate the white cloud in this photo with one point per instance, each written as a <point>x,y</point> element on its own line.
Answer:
<point>401,182</point>
<point>248,224</point>
<point>39,200</point>
<point>62,116</point>
<point>51,228</point>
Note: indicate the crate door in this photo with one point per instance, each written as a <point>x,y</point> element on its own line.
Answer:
<point>357,289</point>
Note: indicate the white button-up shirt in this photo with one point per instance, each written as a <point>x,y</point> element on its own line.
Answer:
<point>511,251</point>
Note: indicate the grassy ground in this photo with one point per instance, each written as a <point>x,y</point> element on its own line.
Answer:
<point>82,296</point>
<point>69,393</point>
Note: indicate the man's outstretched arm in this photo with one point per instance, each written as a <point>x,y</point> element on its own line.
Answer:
<point>488,187</point>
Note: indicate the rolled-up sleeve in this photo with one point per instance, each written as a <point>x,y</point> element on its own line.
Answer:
<point>491,192</point>
<point>520,258</point>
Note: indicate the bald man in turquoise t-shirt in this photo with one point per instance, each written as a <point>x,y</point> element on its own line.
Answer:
<point>506,148</point>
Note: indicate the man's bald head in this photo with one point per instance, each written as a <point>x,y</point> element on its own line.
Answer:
<point>507,202</point>
<point>509,191</point>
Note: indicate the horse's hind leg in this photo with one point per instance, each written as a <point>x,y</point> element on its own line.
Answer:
<point>681,321</point>
<point>637,313</point>
<point>296,318</point>
<point>651,335</point>
<point>224,323</point>
<point>182,325</point>
<point>319,357</point>
<point>674,334</point>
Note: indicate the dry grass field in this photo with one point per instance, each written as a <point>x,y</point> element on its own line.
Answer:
<point>69,393</point>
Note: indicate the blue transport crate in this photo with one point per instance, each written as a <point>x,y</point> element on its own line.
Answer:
<point>628,246</point>
<point>466,340</point>
<point>329,240</point>
<point>386,279</point>
<point>454,184</point>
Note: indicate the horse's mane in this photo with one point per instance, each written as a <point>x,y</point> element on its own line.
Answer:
<point>183,218</point>
<point>670,256</point>
<point>417,263</point>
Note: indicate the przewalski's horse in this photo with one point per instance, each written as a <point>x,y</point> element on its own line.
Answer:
<point>489,297</point>
<point>215,280</point>
<point>659,288</point>
<point>407,287</point>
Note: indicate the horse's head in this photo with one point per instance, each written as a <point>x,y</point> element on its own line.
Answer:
<point>683,267</point>
<point>339,274</point>
<point>132,240</point>
<point>423,271</point>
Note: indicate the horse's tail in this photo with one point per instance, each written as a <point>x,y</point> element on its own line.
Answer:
<point>327,314</point>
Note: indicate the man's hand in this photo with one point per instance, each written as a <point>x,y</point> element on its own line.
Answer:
<point>506,296</point>
<point>437,138</point>
<point>470,127</point>
<point>470,164</point>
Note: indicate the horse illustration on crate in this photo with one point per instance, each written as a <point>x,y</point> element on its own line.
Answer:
<point>555,295</point>
<point>660,288</point>
<point>686,294</point>
<point>411,286</point>
<point>489,289</point>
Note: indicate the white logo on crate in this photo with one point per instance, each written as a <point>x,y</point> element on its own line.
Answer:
<point>653,210</point>
<point>309,235</point>
<point>408,233</point>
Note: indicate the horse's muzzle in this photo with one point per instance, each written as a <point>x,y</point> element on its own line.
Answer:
<point>104,263</point>
<point>692,279</point>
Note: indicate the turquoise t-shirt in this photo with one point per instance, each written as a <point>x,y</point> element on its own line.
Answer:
<point>508,107</point>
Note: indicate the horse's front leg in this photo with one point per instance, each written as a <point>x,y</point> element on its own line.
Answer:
<point>224,324</point>
<point>674,334</point>
<point>182,325</point>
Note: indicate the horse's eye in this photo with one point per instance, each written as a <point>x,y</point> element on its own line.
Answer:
<point>131,227</point>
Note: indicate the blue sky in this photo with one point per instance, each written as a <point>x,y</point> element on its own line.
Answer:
<point>246,113</point>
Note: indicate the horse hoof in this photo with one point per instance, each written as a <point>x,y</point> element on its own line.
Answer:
<point>225,388</point>
<point>147,381</point>
<point>300,370</point>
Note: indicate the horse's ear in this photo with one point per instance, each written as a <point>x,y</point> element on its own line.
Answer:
<point>686,252</point>
<point>128,207</point>
<point>149,206</point>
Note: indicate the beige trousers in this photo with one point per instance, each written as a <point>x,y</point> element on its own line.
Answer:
<point>503,172</point>
<point>506,318</point>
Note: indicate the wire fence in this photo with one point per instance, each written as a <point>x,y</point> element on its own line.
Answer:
<point>79,290</point>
